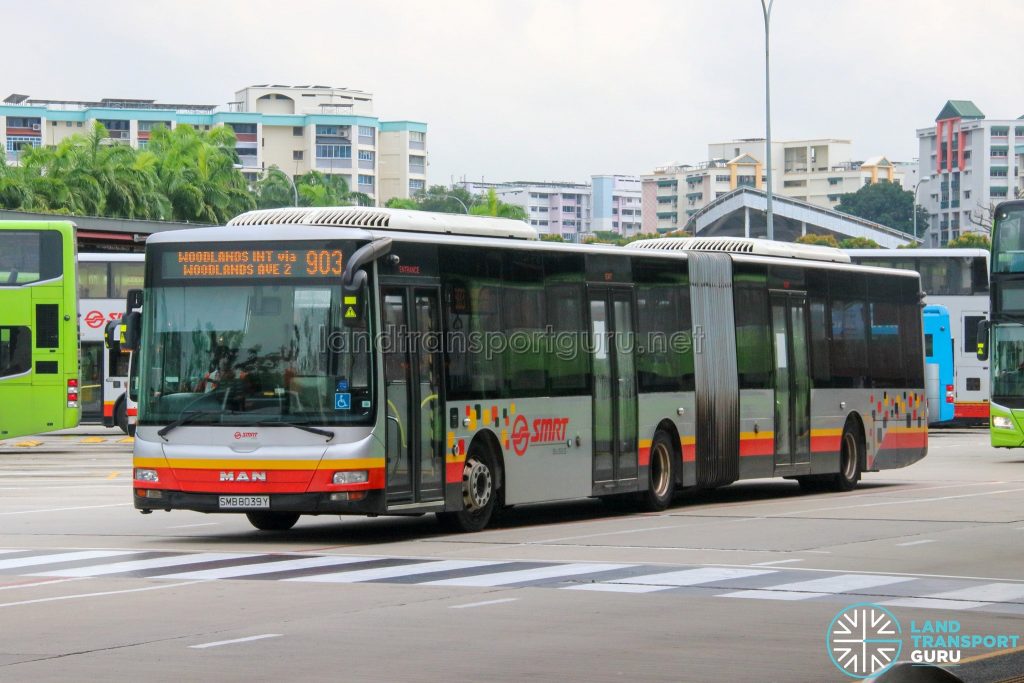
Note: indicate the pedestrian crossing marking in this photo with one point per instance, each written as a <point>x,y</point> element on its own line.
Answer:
<point>776,583</point>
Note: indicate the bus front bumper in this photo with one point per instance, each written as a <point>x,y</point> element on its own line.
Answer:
<point>148,500</point>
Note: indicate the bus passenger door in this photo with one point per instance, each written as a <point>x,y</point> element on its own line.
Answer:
<point>614,394</point>
<point>412,367</point>
<point>90,391</point>
<point>792,381</point>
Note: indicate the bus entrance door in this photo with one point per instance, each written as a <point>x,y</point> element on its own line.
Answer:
<point>412,365</point>
<point>792,383</point>
<point>614,403</point>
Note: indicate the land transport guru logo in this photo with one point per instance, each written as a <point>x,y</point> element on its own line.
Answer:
<point>864,640</point>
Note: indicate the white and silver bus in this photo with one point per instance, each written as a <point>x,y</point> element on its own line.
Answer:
<point>958,280</point>
<point>103,282</point>
<point>375,361</point>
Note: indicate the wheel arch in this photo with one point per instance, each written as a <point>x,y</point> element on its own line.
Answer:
<point>669,427</point>
<point>486,440</point>
<point>856,422</point>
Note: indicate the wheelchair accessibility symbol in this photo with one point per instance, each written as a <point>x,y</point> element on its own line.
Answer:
<point>343,401</point>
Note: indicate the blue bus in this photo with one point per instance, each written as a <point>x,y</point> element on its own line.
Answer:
<point>938,358</point>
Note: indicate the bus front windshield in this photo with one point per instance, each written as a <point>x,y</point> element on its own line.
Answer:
<point>240,354</point>
<point>1008,246</point>
<point>1008,365</point>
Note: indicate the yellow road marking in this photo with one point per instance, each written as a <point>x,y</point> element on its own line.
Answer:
<point>127,439</point>
<point>31,443</point>
<point>113,475</point>
<point>93,439</point>
<point>990,655</point>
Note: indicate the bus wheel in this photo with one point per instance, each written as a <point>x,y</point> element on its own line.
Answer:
<point>661,479</point>
<point>479,494</point>
<point>121,414</point>
<point>849,462</point>
<point>273,521</point>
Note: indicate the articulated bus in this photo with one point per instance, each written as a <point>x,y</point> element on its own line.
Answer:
<point>938,358</point>
<point>1002,337</point>
<point>958,280</point>
<point>375,361</point>
<point>103,282</point>
<point>38,328</point>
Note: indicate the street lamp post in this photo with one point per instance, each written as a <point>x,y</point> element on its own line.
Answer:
<point>916,186</point>
<point>766,8</point>
<point>464,207</point>
<point>295,190</point>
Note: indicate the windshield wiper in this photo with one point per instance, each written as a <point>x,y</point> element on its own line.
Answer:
<point>298,425</point>
<point>184,418</point>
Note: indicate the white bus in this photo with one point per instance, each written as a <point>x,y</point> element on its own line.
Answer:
<point>958,280</point>
<point>377,361</point>
<point>103,282</point>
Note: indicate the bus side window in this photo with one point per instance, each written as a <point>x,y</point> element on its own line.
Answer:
<point>15,351</point>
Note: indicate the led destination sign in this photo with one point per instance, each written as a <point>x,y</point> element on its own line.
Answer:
<point>255,262</point>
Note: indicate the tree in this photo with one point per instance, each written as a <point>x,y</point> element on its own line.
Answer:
<point>402,203</point>
<point>859,243</point>
<point>492,206</point>
<point>885,203</point>
<point>274,190</point>
<point>445,200</point>
<point>820,240</point>
<point>319,189</point>
<point>551,237</point>
<point>970,240</point>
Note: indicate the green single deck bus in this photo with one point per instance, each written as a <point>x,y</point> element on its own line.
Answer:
<point>38,327</point>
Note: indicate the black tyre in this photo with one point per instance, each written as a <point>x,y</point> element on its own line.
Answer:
<point>273,521</point>
<point>479,494</point>
<point>121,414</point>
<point>661,474</point>
<point>850,455</point>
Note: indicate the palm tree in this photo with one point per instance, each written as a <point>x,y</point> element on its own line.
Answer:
<point>320,189</point>
<point>274,189</point>
<point>492,206</point>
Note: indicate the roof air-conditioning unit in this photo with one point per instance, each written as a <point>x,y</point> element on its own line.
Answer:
<point>35,126</point>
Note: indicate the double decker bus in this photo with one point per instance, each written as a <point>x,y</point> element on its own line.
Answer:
<point>958,280</point>
<point>375,361</point>
<point>1001,341</point>
<point>103,283</point>
<point>38,327</point>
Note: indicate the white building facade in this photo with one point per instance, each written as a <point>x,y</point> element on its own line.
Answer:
<point>295,128</point>
<point>968,164</point>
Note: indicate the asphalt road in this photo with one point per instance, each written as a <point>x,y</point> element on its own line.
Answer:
<point>739,584</point>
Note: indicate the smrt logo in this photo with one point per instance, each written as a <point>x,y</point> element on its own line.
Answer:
<point>546,430</point>
<point>246,435</point>
<point>94,319</point>
<point>520,435</point>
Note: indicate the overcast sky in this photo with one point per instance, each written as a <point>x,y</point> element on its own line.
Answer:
<point>550,89</point>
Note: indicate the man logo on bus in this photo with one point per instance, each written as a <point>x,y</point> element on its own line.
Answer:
<point>520,435</point>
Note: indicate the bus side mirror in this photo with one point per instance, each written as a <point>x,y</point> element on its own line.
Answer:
<point>132,331</point>
<point>134,299</point>
<point>983,328</point>
<point>112,335</point>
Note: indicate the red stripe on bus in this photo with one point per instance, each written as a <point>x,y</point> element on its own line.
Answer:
<point>644,456</point>
<point>453,472</point>
<point>108,409</point>
<point>970,410</point>
<point>133,412</point>
<point>278,481</point>
<point>905,440</point>
<point>826,444</point>
<point>755,447</point>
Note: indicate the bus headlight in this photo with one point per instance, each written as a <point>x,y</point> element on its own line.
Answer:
<point>352,477</point>
<point>1001,422</point>
<point>146,475</point>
